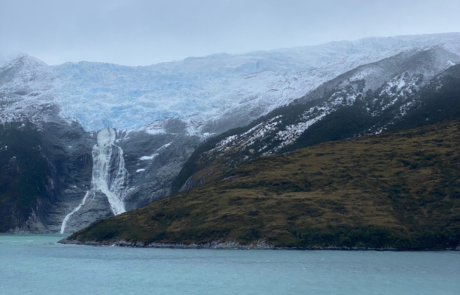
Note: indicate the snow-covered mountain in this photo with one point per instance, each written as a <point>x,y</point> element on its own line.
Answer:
<point>223,90</point>
<point>158,115</point>
<point>366,100</point>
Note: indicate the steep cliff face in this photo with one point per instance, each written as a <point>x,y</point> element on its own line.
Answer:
<point>84,176</point>
<point>154,156</point>
<point>43,170</point>
<point>130,170</point>
<point>109,184</point>
<point>61,146</point>
<point>56,177</point>
<point>25,178</point>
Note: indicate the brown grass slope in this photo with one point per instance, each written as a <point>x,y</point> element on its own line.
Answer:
<point>394,190</point>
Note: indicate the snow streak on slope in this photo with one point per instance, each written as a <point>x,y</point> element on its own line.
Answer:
<point>109,174</point>
<point>212,88</point>
<point>380,92</point>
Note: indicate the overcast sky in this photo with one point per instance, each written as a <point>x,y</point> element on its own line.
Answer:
<point>143,32</point>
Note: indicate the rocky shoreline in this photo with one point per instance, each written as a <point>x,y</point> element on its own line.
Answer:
<point>233,245</point>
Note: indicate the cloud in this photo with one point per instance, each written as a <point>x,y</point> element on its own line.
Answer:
<point>141,32</point>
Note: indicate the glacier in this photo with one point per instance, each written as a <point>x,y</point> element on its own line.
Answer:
<point>200,90</point>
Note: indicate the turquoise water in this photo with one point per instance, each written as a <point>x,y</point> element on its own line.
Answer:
<point>35,264</point>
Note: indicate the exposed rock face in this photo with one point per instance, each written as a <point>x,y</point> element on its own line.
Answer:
<point>138,166</point>
<point>109,184</point>
<point>68,151</point>
<point>154,160</point>
<point>49,168</point>
<point>89,176</point>
<point>94,206</point>
<point>131,170</point>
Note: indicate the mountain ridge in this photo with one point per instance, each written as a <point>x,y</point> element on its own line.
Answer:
<point>340,108</point>
<point>258,81</point>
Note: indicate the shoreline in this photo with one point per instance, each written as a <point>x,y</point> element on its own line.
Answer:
<point>216,245</point>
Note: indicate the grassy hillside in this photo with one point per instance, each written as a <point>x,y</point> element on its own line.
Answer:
<point>437,101</point>
<point>399,190</point>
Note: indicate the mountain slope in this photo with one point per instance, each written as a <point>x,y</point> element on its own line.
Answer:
<point>24,177</point>
<point>48,166</point>
<point>153,157</point>
<point>157,115</point>
<point>42,170</point>
<point>394,190</point>
<point>366,100</point>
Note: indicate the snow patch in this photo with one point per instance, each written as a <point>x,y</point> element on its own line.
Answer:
<point>147,158</point>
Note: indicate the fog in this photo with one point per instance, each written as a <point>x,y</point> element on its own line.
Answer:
<point>143,32</point>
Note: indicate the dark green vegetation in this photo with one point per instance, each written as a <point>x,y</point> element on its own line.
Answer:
<point>437,101</point>
<point>23,173</point>
<point>395,190</point>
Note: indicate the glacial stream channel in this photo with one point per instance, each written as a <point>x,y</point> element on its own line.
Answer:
<point>105,179</point>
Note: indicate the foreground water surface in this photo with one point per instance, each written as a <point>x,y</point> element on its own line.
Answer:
<point>35,264</point>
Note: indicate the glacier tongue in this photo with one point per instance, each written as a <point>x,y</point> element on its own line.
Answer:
<point>109,175</point>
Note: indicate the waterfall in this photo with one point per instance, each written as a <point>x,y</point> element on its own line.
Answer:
<point>109,174</point>
<point>110,183</point>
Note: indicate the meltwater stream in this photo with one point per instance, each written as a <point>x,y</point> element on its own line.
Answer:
<point>35,264</point>
<point>109,174</point>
